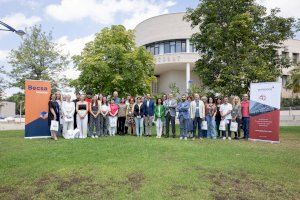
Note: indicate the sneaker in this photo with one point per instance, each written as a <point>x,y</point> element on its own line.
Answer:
<point>201,138</point>
<point>193,138</point>
<point>229,138</point>
<point>96,136</point>
<point>185,138</point>
<point>180,138</point>
<point>224,138</point>
<point>93,136</point>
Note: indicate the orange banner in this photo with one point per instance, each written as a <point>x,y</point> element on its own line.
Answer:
<point>37,95</point>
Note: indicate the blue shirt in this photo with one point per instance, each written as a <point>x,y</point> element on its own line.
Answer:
<point>183,109</point>
<point>197,114</point>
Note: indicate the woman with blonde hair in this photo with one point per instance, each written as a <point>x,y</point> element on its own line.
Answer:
<point>236,114</point>
<point>82,116</point>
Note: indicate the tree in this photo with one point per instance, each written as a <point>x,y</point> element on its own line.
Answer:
<point>2,84</point>
<point>113,62</point>
<point>293,82</point>
<point>37,58</point>
<point>19,99</point>
<point>238,43</point>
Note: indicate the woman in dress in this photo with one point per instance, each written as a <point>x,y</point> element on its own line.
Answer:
<point>236,114</point>
<point>159,117</point>
<point>190,124</point>
<point>218,116</point>
<point>59,100</point>
<point>138,117</point>
<point>210,118</point>
<point>122,117</point>
<point>82,116</point>
<point>94,125</point>
<point>130,116</point>
<point>113,117</point>
<point>53,114</point>
<point>104,112</point>
<point>68,110</point>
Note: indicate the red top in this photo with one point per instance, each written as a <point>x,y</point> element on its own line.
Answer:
<point>113,108</point>
<point>89,101</point>
<point>245,108</point>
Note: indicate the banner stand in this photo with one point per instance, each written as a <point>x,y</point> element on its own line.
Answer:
<point>267,141</point>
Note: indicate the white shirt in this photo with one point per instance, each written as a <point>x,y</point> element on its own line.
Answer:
<point>224,108</point>
<point>104,108</point>
<point>68,108</point>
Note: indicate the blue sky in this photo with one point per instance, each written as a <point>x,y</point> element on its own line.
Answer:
<point>73,22</point>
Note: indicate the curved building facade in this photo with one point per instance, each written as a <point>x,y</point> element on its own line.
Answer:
<point>167,37</point>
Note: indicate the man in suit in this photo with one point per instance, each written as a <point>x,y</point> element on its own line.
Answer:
<point>148,106</point>
<point>183,116</point>
<point>197,115</point>
<point>170,114</point>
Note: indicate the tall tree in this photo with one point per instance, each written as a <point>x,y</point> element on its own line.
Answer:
<point>293,82</point>
<point>238,43</point>
<point>113,62</point>
<point>2,83</point>
<point>37,58</point>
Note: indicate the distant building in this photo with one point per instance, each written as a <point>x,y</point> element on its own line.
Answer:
<point>7,109</point>
<point>167,37</point>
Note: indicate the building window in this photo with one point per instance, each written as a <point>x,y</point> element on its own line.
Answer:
<point>156,49</point>
<point>183,46</point>
<point>167,47</point>
<point>285,54</point>
<point>178,46</point>
<point>172,47</point>
<point>161,48</point>
<point>295,58</point>
<point>192,48</point>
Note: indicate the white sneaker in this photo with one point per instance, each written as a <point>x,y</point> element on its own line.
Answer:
<point>93,136</point>
<point>96,136</point>
<point>224,138</point>
<point>229,138</point>
<point>180,138</point>
<point>185,138</point>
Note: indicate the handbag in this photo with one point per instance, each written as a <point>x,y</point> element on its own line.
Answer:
<point>234,126</point>
<point>204,125</point>
<point>222,126</point>
<point>54,125</point>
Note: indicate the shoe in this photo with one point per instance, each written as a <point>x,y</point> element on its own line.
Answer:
<point>96,136</point>
<point>185,138</point>
<point>93,136</point>
<point>224,138</point>
<point>229,138</point>
<point>201,138</point>
<point>180,138</point>
<point>193,138</point>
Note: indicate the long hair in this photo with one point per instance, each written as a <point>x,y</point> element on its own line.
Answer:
<point>238,102</point>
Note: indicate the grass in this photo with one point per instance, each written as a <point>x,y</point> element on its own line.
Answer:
<point>149,168</point>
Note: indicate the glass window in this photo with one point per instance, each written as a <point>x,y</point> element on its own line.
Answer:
<point>178,46</point>
<point>183,46</point>
<point>167,47</point>
<point>156,50</point>
<point>172,47</point>
<point>161,48</point>
<point>295,58</point>
<point>148,48</point>
<point>285,54</point>
<point>152,49</point>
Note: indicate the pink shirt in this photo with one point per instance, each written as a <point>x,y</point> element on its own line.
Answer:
<point>113,108</point>
<point>245,108</point>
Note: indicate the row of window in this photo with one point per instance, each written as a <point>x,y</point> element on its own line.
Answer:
<point>169,46</point>
<point>295,56</point>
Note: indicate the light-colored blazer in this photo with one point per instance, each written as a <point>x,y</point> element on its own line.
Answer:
<point>170,106</point>
<point>201,109</point>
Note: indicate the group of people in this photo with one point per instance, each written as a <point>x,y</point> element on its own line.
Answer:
<point>98,115</point>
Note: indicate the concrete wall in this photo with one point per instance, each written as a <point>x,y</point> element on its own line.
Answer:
<point>7,109</point>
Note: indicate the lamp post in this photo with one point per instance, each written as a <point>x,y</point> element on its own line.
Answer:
<point>9,28</point>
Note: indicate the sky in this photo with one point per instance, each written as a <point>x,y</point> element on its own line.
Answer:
<point>74,22</point>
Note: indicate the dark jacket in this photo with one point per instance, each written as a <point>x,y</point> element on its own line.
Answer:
<point>148,111</point>
<point>138,111</point>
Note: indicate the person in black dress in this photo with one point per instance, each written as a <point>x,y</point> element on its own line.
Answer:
<point>53,114</point>
<point>75,102</point>
<point>218,115</point>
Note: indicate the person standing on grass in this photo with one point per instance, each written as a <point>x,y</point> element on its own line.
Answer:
<point>236,115</point>
<point>245,115</point>
<point>122,117</point>
<point>61,120</point>
<point>159,117</point>
<point>197,114</point>
<point>218,115</point>
<point>170,114</point>
<point>183,116</point>
<point>116,97</point>
<point>104,111</point>
<point>130,121</point>
<point>148,107</point>
<point>68,110</point>
<point>113,117</point>
<point>94,125</point>
<point>75,113</point>
<point>82,116</point>
<point>190,125</point>
<point>164,98</point>
<point>205,101</point>
<point>225,110</point>
<point>53,114</point>
<point>210,118</point>
<point>138,117</point>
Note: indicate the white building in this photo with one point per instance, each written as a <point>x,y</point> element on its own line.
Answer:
<point>7,109</point>
<point>167,38</point>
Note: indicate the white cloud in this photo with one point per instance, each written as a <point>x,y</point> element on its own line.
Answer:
<point>288,8</point>
<point>105,11</point>
<point>3,55</point>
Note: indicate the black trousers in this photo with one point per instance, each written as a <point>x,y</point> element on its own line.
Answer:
<point>218,120</point>
<point>121,125</point>
<point>169,119</point>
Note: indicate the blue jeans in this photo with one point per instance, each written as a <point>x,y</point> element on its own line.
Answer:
<point>228,129</point>
<point>197,124</point>
<point>139,126</point>
<point>183,126</point>
<point>245,121</point>
<point>211,127</point>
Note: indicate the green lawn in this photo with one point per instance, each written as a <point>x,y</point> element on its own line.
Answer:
<point>149,168</point>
